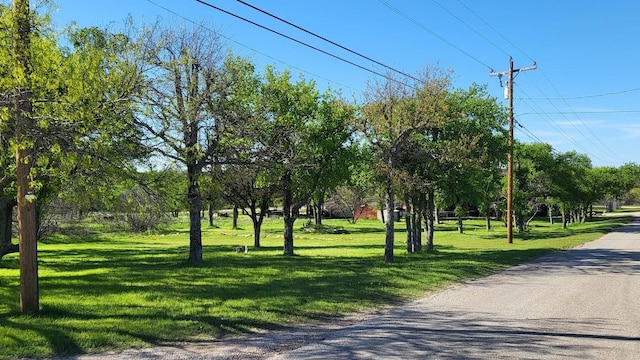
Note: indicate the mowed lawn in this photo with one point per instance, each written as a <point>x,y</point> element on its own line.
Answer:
<point>102,290</point>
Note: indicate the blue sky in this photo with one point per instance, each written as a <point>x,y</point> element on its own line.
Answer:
<point>584,96</point>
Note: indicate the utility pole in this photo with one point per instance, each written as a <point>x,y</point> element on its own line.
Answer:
<point>509,95</point>
<point>27,225</point>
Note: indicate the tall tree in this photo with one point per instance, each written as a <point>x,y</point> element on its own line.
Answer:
<point>475,140</point>
<point>359,189</point>
<point>183,118</point>
<point>83,93</point>
<point>393,111</point>
<point>24,142</point>
<point>306,135</point>
<point>533,165</point>
<point>340,164</point>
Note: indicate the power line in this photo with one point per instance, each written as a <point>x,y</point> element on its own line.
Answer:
<point>583,112</point>
<point>443,39</point>
<point>602,145</point>
<point>547,119</point>
<point>327,40</point>
<point>579,118</point>
<point>470,27</point>
<point>303,43</point>
<point>587,96</point>
<point>249,47</point>
<point>528,132</point>
<point>496,31</point>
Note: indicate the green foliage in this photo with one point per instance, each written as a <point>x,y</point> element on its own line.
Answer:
<point>80,128</point>
<point>304,142</point>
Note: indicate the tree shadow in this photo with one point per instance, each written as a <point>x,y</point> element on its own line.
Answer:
<point>146,281</point>
<point>431,333</point>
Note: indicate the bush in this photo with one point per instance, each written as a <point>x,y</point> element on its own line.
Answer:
<point>141,209</point>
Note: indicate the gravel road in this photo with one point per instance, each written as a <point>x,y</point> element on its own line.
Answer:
<point>582,303</point>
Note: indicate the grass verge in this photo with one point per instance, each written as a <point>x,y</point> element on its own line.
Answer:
<point>102,291</point>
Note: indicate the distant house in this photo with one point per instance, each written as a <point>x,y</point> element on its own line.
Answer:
<point>366,212</point>
<point>337,210</point>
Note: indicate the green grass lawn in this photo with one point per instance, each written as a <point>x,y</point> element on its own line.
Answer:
<point>103,290</point>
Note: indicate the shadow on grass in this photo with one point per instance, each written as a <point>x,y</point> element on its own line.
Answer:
<point>101,298</point>
<point>547,231</point>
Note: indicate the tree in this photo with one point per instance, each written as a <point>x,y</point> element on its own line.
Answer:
<point>247,186</point>
<point>59,118</point>
<point>359,189</point>
<point>533,166</point>
<point>393,111</point>
<point>183,118</point>
<point>340,164</point>
<point>82,109</point>
<point>475,141</point>
<point>568,187</point>
<point>305,136</point>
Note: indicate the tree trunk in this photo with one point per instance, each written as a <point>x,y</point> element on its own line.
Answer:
<point>521,224</point>
<point>460,226</point>
<point>257,219</point>
<point>288,235</point>
<point>487,218</point>
<point>6,219</point>
<point>234,225</point>
<point>257,225</point>
<point>287,214</point>
<point>389,225</point>
<point>318,209</point>
<point>210,213</point>
<point>564,220</point>
<point>550,211</point>
<point>23,112</point>
<point>417,232</point>
<point>409,226</point>
<point>436,213</point>
<point>429,219</point>
<point>195,206</point>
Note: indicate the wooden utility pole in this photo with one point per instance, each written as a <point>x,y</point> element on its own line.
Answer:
<point>509,95</point>
<point>27,225</point>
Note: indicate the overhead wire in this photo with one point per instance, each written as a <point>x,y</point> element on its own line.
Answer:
<point>303,43</point>
<point>528,132</point>
<point>603,147</point>
<point>585,112</point>
<point>545,116</point>
<point>571,139</point>
<point>329,41</point>
<point>494,29</point>
<point>473,57</point>
<point>587,96</point>
<point>393,69</point>
<point>440,37</point>
<point>470,27</point>
<point>249,47</point>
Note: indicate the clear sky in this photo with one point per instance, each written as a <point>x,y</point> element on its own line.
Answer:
<point>584,96</point>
